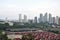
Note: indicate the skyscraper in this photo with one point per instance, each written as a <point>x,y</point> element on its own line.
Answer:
<point>53,20</point>
<point>41,18</point>
<point>56,20</point>
<point>59,20</point>
<point>46,17</point>
<point>50,18</point>
<point>25,19</point>
<point>20,18</point>
<point>35,20</point>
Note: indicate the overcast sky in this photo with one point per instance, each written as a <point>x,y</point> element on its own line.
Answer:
<point>32,8</point>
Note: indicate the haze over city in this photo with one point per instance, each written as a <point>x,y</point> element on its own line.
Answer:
<point>12,8</point>
<point>29,19</point>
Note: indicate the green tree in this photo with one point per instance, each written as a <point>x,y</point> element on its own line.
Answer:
<point>3,36</point>
<point>6,24</point>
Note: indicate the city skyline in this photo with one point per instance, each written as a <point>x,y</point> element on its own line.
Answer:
<point>41,15</point>
<point>42,18</point>
<point>32,8</point>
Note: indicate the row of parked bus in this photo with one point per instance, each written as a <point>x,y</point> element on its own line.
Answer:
<point>40,35</point>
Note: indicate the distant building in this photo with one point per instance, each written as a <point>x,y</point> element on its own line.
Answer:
<point>50,18</point>
<point>41,18</point>
<point>59,21</point>
<point>35,20</point>
<point>25,19</point>
<point>46,17</point>
<point>30,21</point>
<point>18,23</point>
<point>38,20</point>
<point>56,21</point>
<point>10,23</point>
<point>53,20</point>
<point>20,18</point>
<point>2,22</point>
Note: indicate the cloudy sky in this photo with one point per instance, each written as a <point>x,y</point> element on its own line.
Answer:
<point>12,8</point>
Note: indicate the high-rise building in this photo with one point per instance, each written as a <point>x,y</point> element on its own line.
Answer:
<point>25,19</point>
<point>20,18</point>
<point>35,20</point>
<point>59,20</point>
<point>46,17</point>
<point>53,20</point>
<point>50,18</point>
<point>56,20</point>
<point>41,18</point>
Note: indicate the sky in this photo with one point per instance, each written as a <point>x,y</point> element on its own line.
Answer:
<point>12,8</point>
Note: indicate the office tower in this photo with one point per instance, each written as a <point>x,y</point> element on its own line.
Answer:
<point>20,18</point>
<point>50,18</point>
<point>59,20</point>
<point>25,19</point>
<point>41,18</point>
<point>53,20</point>
<point>38,20</point>
<point>35,20</point>
<point>46,17</point>
<point>56,20</point>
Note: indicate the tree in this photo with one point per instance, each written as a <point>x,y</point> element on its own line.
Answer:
<point>3,36</point>
<point>7,24</point>
<point>27,37</point>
